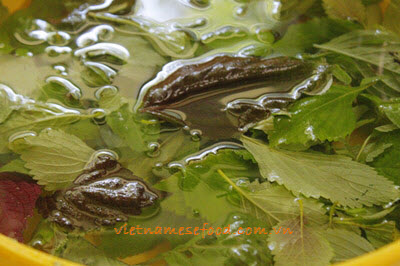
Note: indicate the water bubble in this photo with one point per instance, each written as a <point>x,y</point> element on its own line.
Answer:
<point>102,72</point>
<point>196,134</point>
<point>158,166</point>
<point>101,32</point>
<point>112,49</point>
<point>19,137</point>
<point>72,90</point>
<point>60,69</point>
<point>107,152</point>
<point>196,213</point>
<point>153,149</point>
<point>199,3</point>
<point>57,50</point>
<point>264,34</point>
<point>106,91</point>
<point>241,11</point>
<point>272,245</point>
<point>58,38</point>
<point>99,116</point>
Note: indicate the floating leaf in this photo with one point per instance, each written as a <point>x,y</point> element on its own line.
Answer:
<point>54,158</point>
<point>326,117</point>
<point>316,175</point>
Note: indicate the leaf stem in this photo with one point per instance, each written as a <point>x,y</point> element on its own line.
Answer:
<point>331,213</point>
<point>301,220</point>
<point>245,195</point>
<point>363,147</point>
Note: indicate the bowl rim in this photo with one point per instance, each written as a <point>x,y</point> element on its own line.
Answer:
<point>14,253</point>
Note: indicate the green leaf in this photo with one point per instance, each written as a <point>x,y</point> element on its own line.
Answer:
<point>172,146</point>
<point>80,250</point>
<point>391,20</point>
<point>374,47</point>
<point>272,203</point>
<point>392,111</point>
<point>325,117</point>
<point>35,116</point>
<point>225,249</point>
<point>200,186</point>
<point>347,244</point>
<point>299,248</point>
<point>301,37</point>
<point>16,165</point>
<point>316,175</point>
<point>54,158</point>
<point>124,244</point>
<point>345,9</point>
<point>388,163</point>
<point>382,234</point>
<point>341,75</point>
<point>124,123</point>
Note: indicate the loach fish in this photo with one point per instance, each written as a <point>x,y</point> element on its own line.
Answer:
<point>235,91</point>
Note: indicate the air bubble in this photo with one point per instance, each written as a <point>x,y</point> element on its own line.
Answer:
<point>101,32</point>
<point>19,137</point>
<point>60,69</point>
<point>99,116</point>
<point>106,91</point>
<point>153,149</point>
<point>58,38</point>
<point>72,90</point>
<point>196,134</point>
<point>54,51</point>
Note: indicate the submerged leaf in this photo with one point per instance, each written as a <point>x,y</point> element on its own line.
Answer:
<point>345,9</point>
<point>17,201</point>
<point>347,244</point>
<point>299,248</point>
<point>272,203</point>
<point>316,175</point>
<point>388,163</point>
<point>200,185</point>
<point>81,251</point>
<point>54,158</point>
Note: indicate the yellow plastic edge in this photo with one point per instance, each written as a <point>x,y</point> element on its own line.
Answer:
<point>14,253</point>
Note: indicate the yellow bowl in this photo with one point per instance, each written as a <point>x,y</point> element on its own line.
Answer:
<point>13,253</point>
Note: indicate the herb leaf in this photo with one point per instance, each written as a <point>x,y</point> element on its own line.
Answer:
<point>334,177</point>
<point>388,163</point>
<point>299,248</point>
<point>272,203</point>
<point>54,158</point>
<point>347,244</point>
<point>345,9</point>
<point>392,111</point>
<point>367,46</point>
<point>16,165</point>
<point>81,251</point>
<point>300,38</point>
<point>391,20</point>
<point>200,185</point>
<point>17,201</point>
<point>325,117</point>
